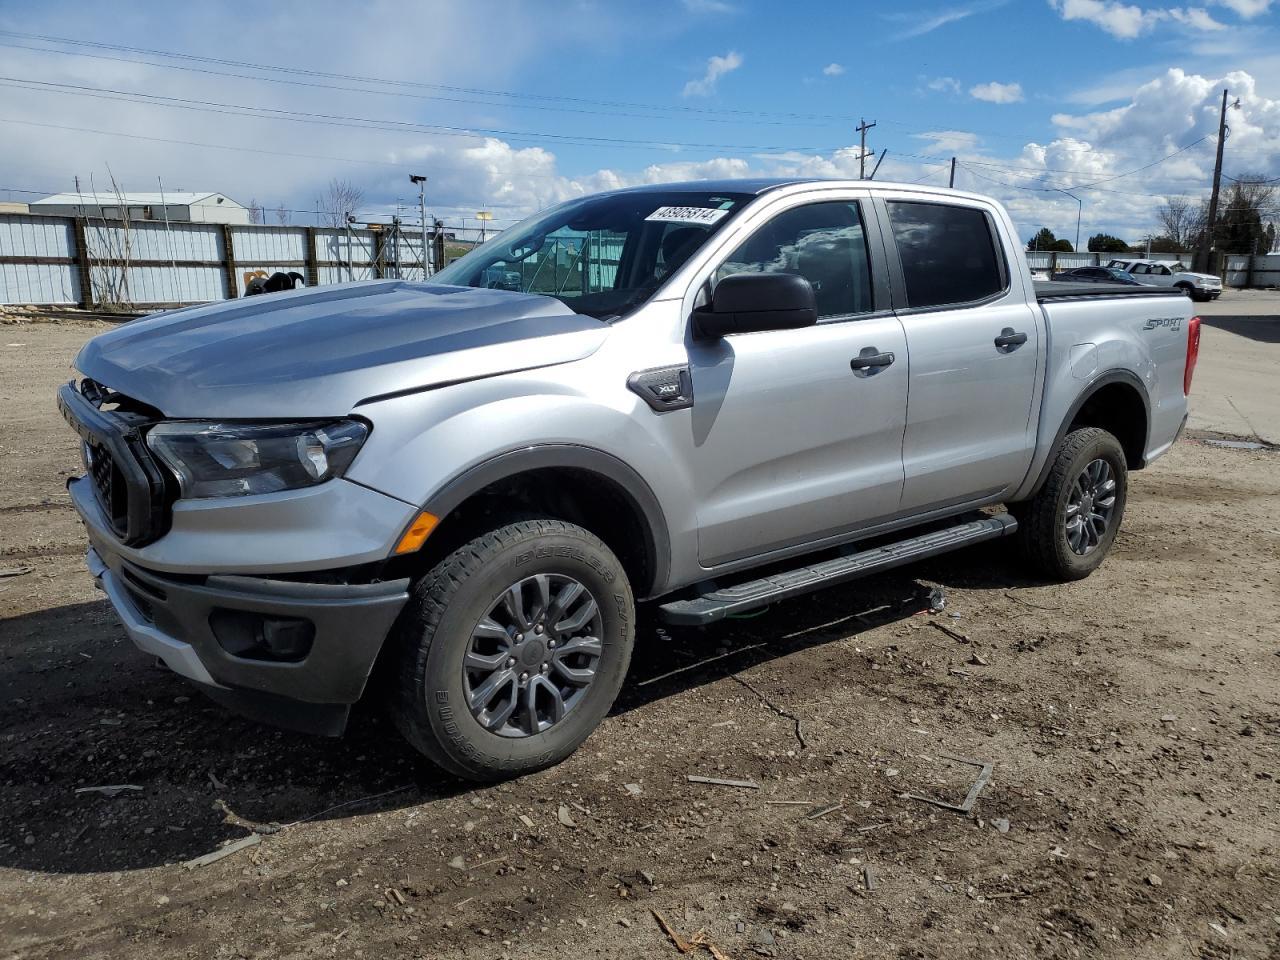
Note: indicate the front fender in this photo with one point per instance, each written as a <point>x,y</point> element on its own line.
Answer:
<point>435,449</point>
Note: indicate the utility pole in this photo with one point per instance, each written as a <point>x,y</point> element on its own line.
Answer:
<point>862,129</point>
<point>876,168</point>
<point>422,210</point>
<point>1206,242</point>
<point>952,182</point>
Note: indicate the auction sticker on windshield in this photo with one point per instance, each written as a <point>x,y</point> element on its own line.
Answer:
<point>704,215</point>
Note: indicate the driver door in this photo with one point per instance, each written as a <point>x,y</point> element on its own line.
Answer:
<point>795,437</point>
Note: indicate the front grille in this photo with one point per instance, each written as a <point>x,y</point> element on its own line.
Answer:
<point>128,484</point>
<point>110,485</point>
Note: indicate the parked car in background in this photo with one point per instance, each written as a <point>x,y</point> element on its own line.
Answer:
<point>1172,273</point>
<point>1096,275</point>
<point>473,486</point>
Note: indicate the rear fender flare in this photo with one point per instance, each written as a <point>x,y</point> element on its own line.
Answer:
<point>1126,377</point>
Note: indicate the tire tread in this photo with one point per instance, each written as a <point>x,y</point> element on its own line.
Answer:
<point>1037,534</point>
<point>428,602</point>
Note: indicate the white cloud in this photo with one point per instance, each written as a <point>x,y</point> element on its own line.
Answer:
<point>832,70</point>
<point>926,22</point>
<point>943,85</point>
<point>1245,8</point>
<point>1126,22</point>
<point>703,7</point>
<point>997,92</point>
<point>1197,18</point>
<point>1121,20</point>
<point>950,141</point>
<point>717,67</point>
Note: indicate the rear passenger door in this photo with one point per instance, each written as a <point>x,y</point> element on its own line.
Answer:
<point>973,342</point>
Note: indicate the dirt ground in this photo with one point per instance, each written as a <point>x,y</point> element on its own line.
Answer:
<point>1132,722</point>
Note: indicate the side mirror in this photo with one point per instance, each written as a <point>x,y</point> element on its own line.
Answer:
<point>753,302</point>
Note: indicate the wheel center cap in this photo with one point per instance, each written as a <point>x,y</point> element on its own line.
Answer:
<point>532,652</point>
<point>1086,505</point>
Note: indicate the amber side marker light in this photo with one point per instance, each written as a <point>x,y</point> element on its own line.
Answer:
<point>417,533</point>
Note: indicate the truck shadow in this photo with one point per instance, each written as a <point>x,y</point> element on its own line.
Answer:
<point>83,709</point>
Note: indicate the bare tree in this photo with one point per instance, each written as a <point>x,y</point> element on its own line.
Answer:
<point>282,215</point>
<point>340,200</point>
<point>256,213</point>
<point>1245,215</point>
<point>1183,221</point>
<point>110,252</point>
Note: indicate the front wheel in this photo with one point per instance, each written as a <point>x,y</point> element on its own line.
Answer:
<point>1067,528</point>
<point>512,649</point>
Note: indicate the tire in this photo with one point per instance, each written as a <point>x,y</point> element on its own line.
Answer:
<point>1187,290</point>
<point>1043,534</point>
<point>441,629</point>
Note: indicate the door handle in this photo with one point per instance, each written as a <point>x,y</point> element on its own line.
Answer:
<point>869,359</point>
<point>1008,339</point>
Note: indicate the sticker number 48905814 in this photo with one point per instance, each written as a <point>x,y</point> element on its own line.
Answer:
<point>702,215</point>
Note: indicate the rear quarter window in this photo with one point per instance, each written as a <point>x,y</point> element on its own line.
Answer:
<point>949,256</point>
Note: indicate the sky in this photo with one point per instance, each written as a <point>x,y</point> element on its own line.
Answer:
<point>509,107</point>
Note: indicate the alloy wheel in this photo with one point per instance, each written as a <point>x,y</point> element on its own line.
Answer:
<point>1091,503</point>
<point>533,656</point>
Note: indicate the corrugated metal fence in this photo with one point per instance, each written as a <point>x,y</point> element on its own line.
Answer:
<point>148,264</point>
<point>1246,271</point>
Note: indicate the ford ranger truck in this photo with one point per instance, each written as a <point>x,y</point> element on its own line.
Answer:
<point>709,397</point>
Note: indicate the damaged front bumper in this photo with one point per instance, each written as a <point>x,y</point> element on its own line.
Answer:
<point>294,654</point>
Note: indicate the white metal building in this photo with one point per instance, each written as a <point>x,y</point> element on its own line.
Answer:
<point>181,206</point>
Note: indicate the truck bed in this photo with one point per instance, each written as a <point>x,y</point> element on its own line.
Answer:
<point>1061,290</point>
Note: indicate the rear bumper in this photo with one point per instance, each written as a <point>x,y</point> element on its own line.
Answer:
<point>183,620</point>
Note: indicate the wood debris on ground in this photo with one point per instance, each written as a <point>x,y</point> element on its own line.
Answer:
<point>721,782</point>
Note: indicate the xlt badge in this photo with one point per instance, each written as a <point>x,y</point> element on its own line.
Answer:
<point>664,388</point>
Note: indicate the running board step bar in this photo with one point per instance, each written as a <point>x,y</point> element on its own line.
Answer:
<point>719,603</point>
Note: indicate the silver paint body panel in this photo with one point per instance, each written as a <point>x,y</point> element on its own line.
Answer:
<point>784,450</point>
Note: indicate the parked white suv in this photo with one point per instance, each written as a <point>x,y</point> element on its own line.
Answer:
<point>1172,273</point>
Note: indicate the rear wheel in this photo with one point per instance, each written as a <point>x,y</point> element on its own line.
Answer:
<point>1068,527</point>
<point>512,649</point>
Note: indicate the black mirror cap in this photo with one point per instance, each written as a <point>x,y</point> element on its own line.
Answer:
<point>754,302</point>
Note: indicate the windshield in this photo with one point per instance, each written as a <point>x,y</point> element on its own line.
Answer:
<point>602,256</point>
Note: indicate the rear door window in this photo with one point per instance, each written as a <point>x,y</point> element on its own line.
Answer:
<point>949,256</point>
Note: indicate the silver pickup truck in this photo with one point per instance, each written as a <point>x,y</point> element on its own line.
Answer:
<point>709,396</point>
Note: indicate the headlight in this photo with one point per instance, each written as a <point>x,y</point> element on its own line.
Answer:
<point>237,459</point>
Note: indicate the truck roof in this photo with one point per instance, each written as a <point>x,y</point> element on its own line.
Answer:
<point>759,185</point>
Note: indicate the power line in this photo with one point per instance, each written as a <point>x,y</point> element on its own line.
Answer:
<point>433,98</point>
<point>478,91</point>
<point>1093,184</point>
<point>242,149</point>
<point>341,120</point>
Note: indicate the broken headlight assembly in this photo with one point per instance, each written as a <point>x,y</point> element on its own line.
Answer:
<point>212,459</point>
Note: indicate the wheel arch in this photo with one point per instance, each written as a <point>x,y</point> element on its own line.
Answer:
<point>1117,401</point>
<point>576,483</point>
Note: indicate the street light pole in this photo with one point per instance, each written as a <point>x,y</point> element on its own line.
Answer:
<point>422,211</point>
<point>1079,211</point>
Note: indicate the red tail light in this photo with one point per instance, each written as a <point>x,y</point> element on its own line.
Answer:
<point>1193,354</point>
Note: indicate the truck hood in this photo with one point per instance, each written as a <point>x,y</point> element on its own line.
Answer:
<point>319,352</point>
<point>1198,276</point>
